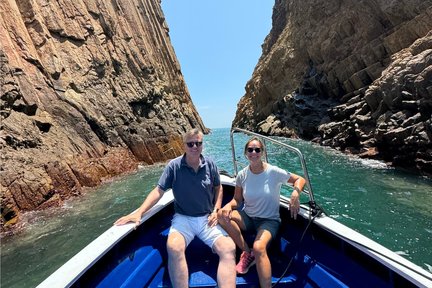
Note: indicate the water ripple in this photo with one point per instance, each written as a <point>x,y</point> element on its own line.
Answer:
<point>386,205</point>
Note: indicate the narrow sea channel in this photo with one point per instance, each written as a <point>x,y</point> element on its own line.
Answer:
<point>392,207</point>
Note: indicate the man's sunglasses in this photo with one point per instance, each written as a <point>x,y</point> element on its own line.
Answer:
<point>250,150</point>
<point>191,144</point>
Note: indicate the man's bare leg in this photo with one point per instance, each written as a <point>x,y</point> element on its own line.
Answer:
<point>226,274</point>
<point>177,265</point>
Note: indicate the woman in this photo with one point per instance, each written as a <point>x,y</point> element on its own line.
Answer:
<point>258,188</point>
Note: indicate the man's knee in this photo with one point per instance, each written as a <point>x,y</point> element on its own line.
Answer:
<point>176,244</point>
<point>225,245</point>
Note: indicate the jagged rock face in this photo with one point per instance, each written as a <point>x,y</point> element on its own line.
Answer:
<point>353,75</point>
<point>89,89</point>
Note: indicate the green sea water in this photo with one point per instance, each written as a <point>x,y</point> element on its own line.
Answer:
<point>392,207</point>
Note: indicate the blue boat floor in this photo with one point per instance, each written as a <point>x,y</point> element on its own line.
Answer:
<point>203,271</point>
<point>144,264</point>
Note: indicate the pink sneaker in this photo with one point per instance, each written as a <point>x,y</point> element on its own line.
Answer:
<point>246,261</point>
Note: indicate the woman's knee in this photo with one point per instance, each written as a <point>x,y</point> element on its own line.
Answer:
<point>259,247</point>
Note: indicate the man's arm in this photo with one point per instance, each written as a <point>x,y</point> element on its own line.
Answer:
<point>218,197</point>
<point>212,218</point>
<point>151,199</point>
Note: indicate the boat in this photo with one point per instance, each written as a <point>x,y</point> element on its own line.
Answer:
<point>312,251</point>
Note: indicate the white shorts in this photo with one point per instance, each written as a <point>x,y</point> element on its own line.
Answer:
<point>190,227</point>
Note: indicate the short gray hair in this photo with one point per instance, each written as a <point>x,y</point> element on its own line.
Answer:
<point>192,132</point>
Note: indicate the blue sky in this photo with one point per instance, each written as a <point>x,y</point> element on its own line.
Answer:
<point>218,44</point>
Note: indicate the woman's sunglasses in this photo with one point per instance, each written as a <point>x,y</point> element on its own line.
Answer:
<point>192,144</point>
<point>250,150</point>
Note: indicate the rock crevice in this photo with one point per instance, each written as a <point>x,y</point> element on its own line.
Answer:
<point>89,89</point>
<point>352,75</point>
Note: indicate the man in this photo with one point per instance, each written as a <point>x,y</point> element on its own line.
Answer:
<point>197,191</point>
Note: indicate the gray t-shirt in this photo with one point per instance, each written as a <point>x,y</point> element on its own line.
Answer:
<point>261,192</point>
<point>193,191</point>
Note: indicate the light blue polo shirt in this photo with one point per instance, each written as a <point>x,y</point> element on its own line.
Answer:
<point>193,191</point>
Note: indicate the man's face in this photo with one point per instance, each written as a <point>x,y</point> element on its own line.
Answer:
<point>193,145</point>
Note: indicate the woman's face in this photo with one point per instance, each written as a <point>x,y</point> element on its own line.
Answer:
<point>254,151</point>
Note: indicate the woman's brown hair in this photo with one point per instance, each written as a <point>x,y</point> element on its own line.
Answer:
<point>254,138</point>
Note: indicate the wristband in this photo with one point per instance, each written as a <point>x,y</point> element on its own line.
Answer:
<point>297,189</point>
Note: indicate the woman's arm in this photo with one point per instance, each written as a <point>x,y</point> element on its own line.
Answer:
<point>225,212</point>
<point>298,183</point>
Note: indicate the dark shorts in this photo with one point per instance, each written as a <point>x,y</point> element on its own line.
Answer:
<point>254,224</point>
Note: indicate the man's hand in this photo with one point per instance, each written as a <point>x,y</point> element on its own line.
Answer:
<point>134,217</point>
<point>212,219</point>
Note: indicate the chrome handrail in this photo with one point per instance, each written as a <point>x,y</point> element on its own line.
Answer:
<point>289,147</point>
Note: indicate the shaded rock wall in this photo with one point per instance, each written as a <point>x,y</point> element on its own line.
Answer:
<point>353,75</point>
<point>89,89</point>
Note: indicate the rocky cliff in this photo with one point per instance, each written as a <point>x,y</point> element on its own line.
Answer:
<point>353,75</point>
<point>89,89</point>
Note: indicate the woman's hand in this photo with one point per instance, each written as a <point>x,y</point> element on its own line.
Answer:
<point>294,204</point>
<point>224,214</point>
<point>298,183</point>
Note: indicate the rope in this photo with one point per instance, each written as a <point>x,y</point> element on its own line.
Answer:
<point>316,211</point>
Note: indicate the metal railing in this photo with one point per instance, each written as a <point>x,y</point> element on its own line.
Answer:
<point>274,141</point>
